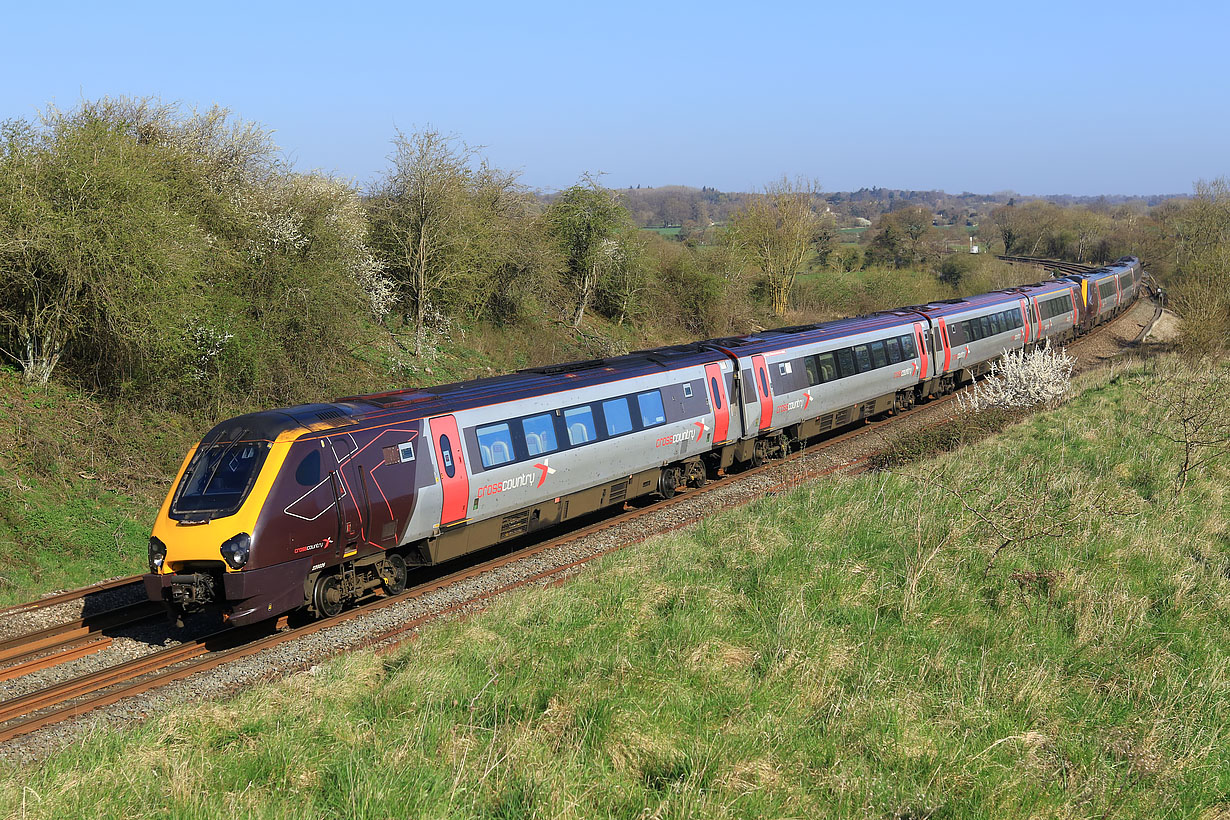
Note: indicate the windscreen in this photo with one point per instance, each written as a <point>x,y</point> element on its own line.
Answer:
<point>219,477</point>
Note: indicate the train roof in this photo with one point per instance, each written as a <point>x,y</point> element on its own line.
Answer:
<point>766,341</point>
<point>1117,268</point>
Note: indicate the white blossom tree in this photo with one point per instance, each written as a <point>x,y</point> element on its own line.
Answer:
<point>1020,379</point>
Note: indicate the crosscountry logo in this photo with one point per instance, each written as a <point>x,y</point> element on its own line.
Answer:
<point>546,470</point>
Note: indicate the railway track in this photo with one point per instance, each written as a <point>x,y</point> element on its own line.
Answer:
<point>67,596</point>
<point>1050,264</point>
<point>78,695</point>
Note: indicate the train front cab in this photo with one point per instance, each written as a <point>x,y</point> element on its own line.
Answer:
<point>208,532</point>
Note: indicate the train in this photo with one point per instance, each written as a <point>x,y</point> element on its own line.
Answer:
<point>314,507</point>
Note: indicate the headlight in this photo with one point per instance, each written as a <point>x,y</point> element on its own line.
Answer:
<point>157,554</point>
<point>235,550</point>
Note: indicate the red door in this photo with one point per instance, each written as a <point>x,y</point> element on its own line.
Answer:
<point>717,397</point>
<point>453,479</point>
<point>764,389</point>
<point>920,340</point>
<point>1025,316</point>
<point>944,342</point>
<point>1075,312</point>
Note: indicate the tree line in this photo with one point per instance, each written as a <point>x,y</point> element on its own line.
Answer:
<point>148,250</point>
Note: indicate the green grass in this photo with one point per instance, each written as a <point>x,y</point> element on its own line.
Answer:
<point>808,655</point>
<point>80,483</point>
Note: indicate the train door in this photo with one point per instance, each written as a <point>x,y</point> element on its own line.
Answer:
<point>944,341</point>
<point>454,482</point>
<point>375,513</point>
<point>764,391</point>
<point>920,340</point>
<point>1025,316</point>
<point>718,398</point>
<point>349,513</point>
<point>1075,312</point>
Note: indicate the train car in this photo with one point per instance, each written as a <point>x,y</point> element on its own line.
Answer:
<point>321,504</point>
<point>1052,311</point>
<point>1107,291</point>
<point>969,334</point>
<point>799,382</point>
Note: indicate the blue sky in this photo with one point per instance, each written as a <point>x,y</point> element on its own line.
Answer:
<point>1075,97</point>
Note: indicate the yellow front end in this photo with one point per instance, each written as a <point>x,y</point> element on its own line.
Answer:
<point>188,542</point>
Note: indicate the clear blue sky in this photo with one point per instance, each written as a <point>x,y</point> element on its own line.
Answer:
<point>1072,97</point>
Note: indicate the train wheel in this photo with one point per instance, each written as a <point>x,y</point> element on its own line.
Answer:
<point>327,596</point>
<point>669,482</point>
<point>395,574</point>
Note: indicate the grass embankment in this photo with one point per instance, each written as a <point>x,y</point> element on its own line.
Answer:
<point>813,654</point>
<point>80,482</point>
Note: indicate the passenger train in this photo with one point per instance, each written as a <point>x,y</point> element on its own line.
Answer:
<point>313,507</point>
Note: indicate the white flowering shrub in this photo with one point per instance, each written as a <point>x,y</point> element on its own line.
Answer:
<point>206,344</point>
<point>437,328</point>
<point>1018,379</point>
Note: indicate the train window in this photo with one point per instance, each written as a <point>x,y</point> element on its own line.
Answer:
<point>997,324</point>
<point>827,366</point>
<point>893,346</point>
<point>878,357</point>
<point>495,445</point>
<point>863,356</point>
<point>618,419</point>
<point>764,382</point>
<point>717,393</point>
<point>907,347</point>
<point>539,434</point>
<point>219,477</point>
<point>652,413</point>
<point>580,424</point>
<point>446,455</point>
<point>813,372</point>
<point>308,471</point>
<point>845,363</point>
<point>986,325</point>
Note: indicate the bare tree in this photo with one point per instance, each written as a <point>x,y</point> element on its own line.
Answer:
<point>1189,408</point>
<point>432,219</point>
<point>775,232</point>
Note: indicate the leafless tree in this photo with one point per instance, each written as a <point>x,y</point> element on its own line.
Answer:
<point>1189,408</point>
